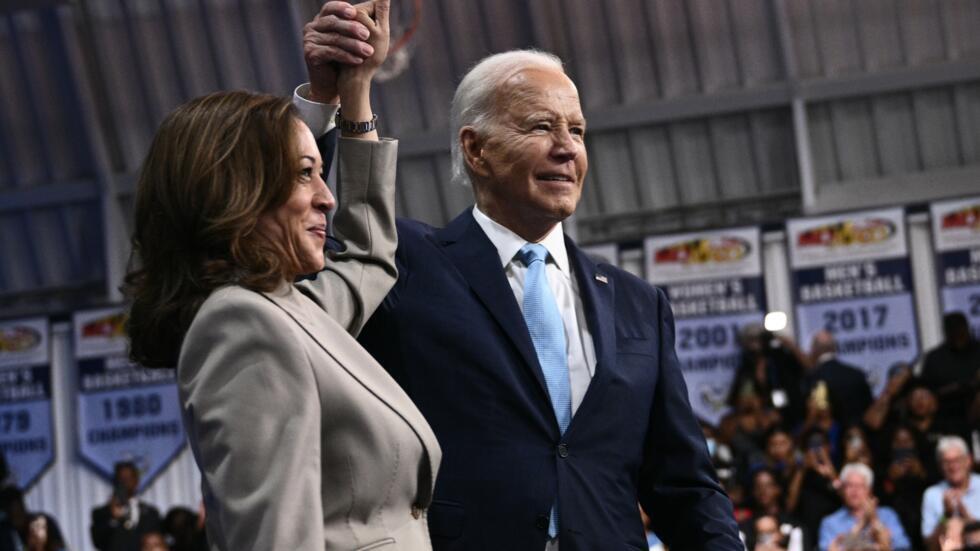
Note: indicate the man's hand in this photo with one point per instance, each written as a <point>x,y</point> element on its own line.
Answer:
<point>334,37</point>
<point>952,502</point>
<point>871,511</point>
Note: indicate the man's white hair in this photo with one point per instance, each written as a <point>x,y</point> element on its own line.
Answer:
<point>473,103</point>
<point>858,468</point>
<point>947,443</point>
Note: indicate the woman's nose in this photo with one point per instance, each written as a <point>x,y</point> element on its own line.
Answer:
<point>322,198</point>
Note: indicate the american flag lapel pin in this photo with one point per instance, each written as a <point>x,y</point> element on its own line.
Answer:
<point>601,278</point>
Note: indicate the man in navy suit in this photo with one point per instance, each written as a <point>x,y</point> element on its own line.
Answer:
<point>847,386</point>
<point>519,471</point>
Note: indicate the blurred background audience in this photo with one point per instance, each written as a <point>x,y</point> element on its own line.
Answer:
<point>807,449</point>
<point>811,459</point>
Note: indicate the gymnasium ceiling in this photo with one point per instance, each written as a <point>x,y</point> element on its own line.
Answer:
<point>701,112</point>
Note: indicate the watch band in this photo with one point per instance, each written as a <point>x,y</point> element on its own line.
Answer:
<point>356,127</point>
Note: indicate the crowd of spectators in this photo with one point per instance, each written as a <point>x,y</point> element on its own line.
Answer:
<point>813,460</point>
<point>126,523</point>
<point>21,529</point>
<point>123,523</point>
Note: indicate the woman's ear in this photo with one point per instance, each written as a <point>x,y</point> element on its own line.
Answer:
<point>472,146</point>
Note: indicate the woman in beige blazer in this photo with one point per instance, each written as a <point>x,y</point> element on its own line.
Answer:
<point>304,442</point>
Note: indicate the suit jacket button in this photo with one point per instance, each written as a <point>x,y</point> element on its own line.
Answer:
<point>562,450</point>
<point>417,511</point>
<point>542,522</point>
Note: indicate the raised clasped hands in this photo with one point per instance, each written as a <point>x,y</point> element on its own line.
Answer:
<point>344,45</point>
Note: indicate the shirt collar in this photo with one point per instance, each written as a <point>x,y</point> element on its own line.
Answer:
<point>509,243</point>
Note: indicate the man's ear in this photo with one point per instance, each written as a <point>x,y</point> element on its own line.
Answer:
<point>472,146</point>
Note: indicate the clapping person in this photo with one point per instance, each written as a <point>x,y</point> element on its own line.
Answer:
<point>304,442</point>
<point>861,517</point>
<point>956,496</point>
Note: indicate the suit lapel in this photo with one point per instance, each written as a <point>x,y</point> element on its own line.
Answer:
<point>598,299</point>
<point>474,255</point>
<point>318,325</point>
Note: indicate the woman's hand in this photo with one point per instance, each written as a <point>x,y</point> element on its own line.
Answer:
<point>333,39</point>
<point>373,16</point>
<point>354,81</point>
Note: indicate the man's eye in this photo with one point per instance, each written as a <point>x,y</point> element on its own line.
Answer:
<point>542,126</point>
<point>577,130</point>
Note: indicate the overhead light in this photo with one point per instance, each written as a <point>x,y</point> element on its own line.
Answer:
<point>775,321</point>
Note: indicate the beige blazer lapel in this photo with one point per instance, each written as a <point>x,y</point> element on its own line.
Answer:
<point>359,364</point>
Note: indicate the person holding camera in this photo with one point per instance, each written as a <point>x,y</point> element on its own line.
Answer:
<point>119,525</point>
<point>905,481</point>
<point>772,367</point>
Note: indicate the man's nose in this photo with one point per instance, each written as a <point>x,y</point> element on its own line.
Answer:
<point>564,146</point>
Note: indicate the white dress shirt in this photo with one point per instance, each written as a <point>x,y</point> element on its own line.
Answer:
<point>580,348</point>
<point>318,116</point>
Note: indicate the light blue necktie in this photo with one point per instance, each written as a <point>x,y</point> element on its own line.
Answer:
<point>548,334</point>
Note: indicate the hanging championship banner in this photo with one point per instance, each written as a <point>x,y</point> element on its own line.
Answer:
<point>714,282</point>
<point>26,422</point>
<point>125,412</point>
<point>956,231</point>
<point>851,276</point>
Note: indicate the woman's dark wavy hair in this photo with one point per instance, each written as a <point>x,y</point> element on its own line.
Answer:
<point>216,164</point>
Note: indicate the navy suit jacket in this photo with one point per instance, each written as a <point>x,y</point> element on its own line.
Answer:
<point>452,334</point>
<point>847,386</point>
